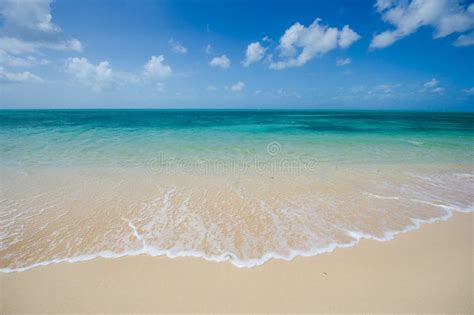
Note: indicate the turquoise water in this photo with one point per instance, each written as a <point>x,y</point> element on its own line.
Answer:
<point>133,137</point>
<point>234,185</point>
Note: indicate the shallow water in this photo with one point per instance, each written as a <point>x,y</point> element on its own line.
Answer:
<point>243,186</point>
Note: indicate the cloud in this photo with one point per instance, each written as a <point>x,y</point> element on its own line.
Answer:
<point>254,53</point>
<point>98,77</point>
<point>300,44</point>
<point>445,16</point>
<point>465,40</point>
<point>221,61</point>
<point>13,61</point>
<point>208,49</point>
<point>155,68</point>
<point>469,91</point>
<point>18,46</point>
<point>101,76</point>
<point>177,47</point>
<point>347,36</point>
<point>431,83</point>
<point>386,88</point>
<point>343,61</point>
<point>211,88</point>
<point>433,86</point>
<point>239,86</point>
<point>18,77</point>
<point>28,27</point>
<point>29,15</point>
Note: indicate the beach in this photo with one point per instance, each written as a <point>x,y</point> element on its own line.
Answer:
<point>236,157</point>
<point>424,271</point>
<point>236,211</point>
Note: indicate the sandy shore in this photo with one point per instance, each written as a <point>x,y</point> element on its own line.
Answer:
<point>428,270</point>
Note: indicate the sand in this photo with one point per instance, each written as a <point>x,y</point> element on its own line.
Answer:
<point>423,271</point>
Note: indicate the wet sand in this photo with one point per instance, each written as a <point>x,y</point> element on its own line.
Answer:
<point>423,271</point>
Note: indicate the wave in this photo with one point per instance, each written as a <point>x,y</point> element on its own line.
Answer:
<point>356,237</point>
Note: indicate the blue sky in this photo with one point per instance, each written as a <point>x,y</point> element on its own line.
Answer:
<point>380,54</point>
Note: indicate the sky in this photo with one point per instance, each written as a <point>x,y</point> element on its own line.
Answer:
<point>374,54</point>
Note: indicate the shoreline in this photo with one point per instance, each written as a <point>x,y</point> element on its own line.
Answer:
<point>227,257</point>
<point>429,269</point>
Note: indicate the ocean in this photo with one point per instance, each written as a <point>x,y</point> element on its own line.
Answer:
<point>243,186</point>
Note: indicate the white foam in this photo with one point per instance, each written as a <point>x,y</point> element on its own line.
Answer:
<point>380,197</point>
<point>356,237</point>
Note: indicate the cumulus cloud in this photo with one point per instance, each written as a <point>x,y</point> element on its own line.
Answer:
<point>239,86</point>
<point>156,68</point>
<point>29,15</point>
<point>254,53</point>
<point>222,62</point>
<point>97,77</point>
<point>28,26</point>
<point>18,77</point>
<point>299,44</point>
<point>445,16</point>
<point>343,62</point>
<point>211,88</point>
<point>101,76</point>
<point>347,36</point>
<point>177,47</point>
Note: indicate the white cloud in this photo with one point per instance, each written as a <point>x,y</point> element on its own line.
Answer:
<point>438,90</point>
<point>445,16</point>
<point>465,40</point>
<point>13,61</point>
<point>97,77</point>
<point>100,76</point>
<point>300,44</point>
<point>239,86</point>
<point>254,53</point>
<point>208,49</point>
<point>433,86</point>
<point>431,83</point>
<point>343,61</point>
<point>155,67</point>
<point>469,91</point>
<point>18,77</point>
<point>31,15</point>
<point>347,36</point>
<point>221,61</point>
<point>177,47</point>
<point>18,46</point>
<point>211,88</point>
<point>28,27</point>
